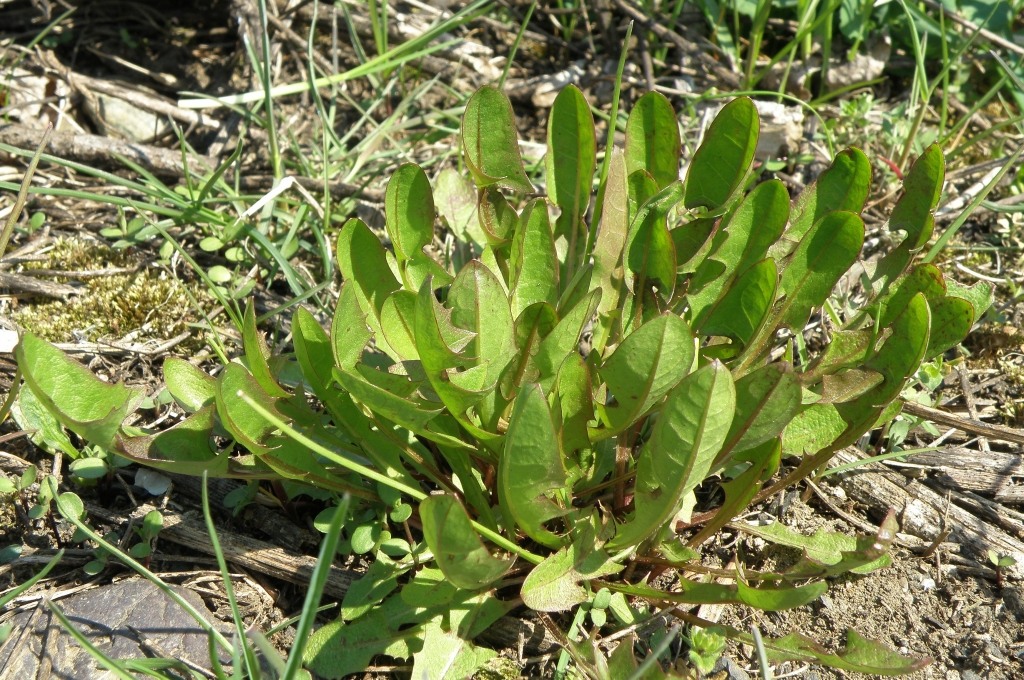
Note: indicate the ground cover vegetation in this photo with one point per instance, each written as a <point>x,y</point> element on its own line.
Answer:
<point>548,377</point>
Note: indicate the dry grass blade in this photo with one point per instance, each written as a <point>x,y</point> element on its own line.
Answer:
<point>19,203</point>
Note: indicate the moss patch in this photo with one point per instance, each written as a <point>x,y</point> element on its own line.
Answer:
<point>148,302</point>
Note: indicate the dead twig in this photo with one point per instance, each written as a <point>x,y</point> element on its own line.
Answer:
<point>104,151</point>
<point>1000,432</point>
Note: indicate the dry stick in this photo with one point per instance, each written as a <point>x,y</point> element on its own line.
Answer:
<point>1000,432</point>
<point>94,149</point>
<point>971,26</point>
<point>652,24</point>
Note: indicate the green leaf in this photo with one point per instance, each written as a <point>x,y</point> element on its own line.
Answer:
<point>370,589</point>
<point>409,212</point>
<point>190,387</point>
<point>432,326</point>
<point>766,400</point>
<point>479,305</point>
<point>847,349</point>
<point>460,554</point>
<point>844,186</point>
<point>860,656</point>
<point>533,261</point>
<point>445,654</point>
<point>847,385</point>
<point>456,200</point>
<point>978,294</point>
<point>398,322</point>
<point>47,431</point>
<point>822,550</point>
<point>349,332</point>
<point>411,413</point>
<point>554,584</point>
<point>533,325</point>
<point>184,447</point>
<point>363,263</point>
<point>812,430</point>
<point>650,251</point>
<point>645,366</point>
<point>688,434</point>
<point>694,592</point>
<point>531,467</point>
<point>742,311</point>
<point>573,405</point>
<point>497,217</point>
<point>570,161</point>
<point>824,254</point>
<point>652,139</point>
<point>924,278</point>
<point>912,215</point>
<point>247,426</point>
<point>313,350</point>
<point>490,142</point>
<point>723,159</point>
<point>565,338</point>
<point>89,468</point>
<point>83,403</point>
<point>897,360</point>
<point>742,239</point>
<point>758,465</point>
<point>337,649</point>
<point>693,241</point>
<point>773,599</point>
<point>611,240</point>
<point>952,320</point>
<point>257,352</point>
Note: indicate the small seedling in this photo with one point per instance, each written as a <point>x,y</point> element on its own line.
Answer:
<point>1000,562</point>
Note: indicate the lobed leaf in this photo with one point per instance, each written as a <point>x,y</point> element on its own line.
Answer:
<point>460,554</point>
<point>248,427</point>
<point>861,655</point>
<point>184,448</point>
<point>695,592</point>
<point>554,584</point>
<point>83,403</point>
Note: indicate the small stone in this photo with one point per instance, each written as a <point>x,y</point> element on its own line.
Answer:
<point>732,669</point>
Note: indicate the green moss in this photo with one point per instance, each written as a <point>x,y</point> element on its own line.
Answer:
<point>499,668</point>
<point>147,302</point>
